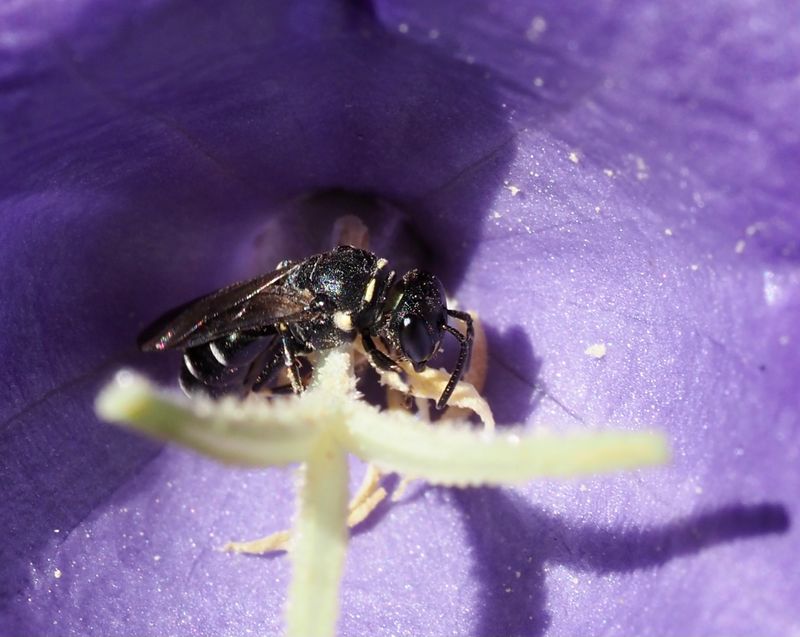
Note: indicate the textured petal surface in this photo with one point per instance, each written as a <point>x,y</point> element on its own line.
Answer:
<point>619,174</point>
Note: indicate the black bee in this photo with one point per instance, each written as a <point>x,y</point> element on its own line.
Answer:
<point>237,339</point>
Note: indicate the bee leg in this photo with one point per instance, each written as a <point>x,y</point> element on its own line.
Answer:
<point>278,541</point>
<point>466,317</point>
<point>279,390</point>
<point>265,368</point>
<point>464,354</point>
<point>369,495</point>
<point>290,358</point>
<point>379,360</point>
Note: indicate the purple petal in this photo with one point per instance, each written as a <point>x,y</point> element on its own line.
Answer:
<point>623,175</point>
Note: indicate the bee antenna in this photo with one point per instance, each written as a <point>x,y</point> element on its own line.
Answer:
<point>464,354</point>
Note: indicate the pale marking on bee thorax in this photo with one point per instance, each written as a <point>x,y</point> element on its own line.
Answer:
<point>343,321</point>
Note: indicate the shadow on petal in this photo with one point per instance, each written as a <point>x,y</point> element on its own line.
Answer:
<point>510,536</point>
<point>512,387</point>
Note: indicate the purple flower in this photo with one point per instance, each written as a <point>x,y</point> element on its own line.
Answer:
<point>613,189</point>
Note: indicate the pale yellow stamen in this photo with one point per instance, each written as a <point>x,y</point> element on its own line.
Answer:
<point>320,426</point>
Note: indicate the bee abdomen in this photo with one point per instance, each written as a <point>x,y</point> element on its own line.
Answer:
<point>237,349</point>
<point>220,366</point>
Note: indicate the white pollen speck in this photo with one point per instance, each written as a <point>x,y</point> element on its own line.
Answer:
<point>772,288</point>
<point>641,169</point>
<point>739,247</point>
<point>596,350</point>
<point>402,27</point>
<point>597,208</point>
<point>754,228</point>
<point>694,267</point>
<point>536,28</point>
<point>698,200</point>
<point>668,232</point>
<point>57,573</point>
<point>513,190</point>
<point>608,172</point>
<point>538,82</point>
<point>156,558</point>
<point>574,157</point>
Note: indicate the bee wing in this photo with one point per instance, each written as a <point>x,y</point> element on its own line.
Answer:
<point>256,303</point>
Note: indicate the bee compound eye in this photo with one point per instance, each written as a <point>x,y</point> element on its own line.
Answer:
<point>415,339</point>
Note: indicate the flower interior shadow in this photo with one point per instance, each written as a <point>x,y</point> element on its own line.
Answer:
<point>190,130</point>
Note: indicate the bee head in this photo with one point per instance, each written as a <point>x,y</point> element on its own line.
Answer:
<point>416,318</point>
